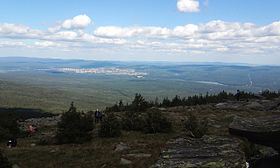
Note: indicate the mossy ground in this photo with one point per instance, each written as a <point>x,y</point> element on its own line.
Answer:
<point>95,154</point>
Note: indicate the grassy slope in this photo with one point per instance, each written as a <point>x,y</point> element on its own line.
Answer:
<point>55,92</point>
<point>95,154</point>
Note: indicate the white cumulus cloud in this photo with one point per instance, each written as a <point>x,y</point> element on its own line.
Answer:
<point>45,44</point>
<point>77,22</point>
<point>114,31</point>
<point>15,30</point>
<point>213,38</point>
<point>188,5</point>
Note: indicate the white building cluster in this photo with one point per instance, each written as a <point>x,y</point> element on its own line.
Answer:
<point>107,71</point>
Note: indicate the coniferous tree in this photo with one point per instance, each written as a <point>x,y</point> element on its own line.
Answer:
<point>176,101</point>
<point>166,102</point>
<point>121,106</point>
<point>156,102</point>
<point>74,127</point>
<point>139,103</point>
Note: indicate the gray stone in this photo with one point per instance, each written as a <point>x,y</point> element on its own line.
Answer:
<point>53,150</point>
<point>125,161</point>
<point>139,155</point>
<point>221,105</point>
<point>266,151</point>
<point>254,105</point>
<point>208,151</point>
<point>262,130</point>
<point>121,147</point>
<point>228,105</point>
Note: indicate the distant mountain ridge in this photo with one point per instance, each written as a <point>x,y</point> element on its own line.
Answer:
<point>59,60</point>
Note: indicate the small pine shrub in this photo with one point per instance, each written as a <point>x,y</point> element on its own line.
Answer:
<point>4,162</point>
<point>139,103</point>
<point>197,128</point>
<point>110,126</point>
<point>74,127</point>
<point>156,122</point>
<point>133,121</point>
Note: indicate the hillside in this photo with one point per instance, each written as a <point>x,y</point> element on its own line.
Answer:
<point>136,149</point>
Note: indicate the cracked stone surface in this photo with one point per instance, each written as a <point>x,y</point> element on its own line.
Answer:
<point>208,151</point>
<point>261,130</point>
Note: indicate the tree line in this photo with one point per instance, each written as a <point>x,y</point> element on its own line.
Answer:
<point>140,104</point>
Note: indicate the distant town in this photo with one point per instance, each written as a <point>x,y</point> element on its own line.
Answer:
<point>107,71</point>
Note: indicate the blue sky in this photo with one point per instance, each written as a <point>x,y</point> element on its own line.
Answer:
<point>244,31</point>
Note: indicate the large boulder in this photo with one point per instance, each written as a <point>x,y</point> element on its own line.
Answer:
<point>254,105</point>
<point>261,130</point>
<point>208,151</point>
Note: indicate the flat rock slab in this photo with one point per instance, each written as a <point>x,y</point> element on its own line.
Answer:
<point>139,155</point>
<point>260,124</point>
<point>209,151</point>
<point>261,130</point>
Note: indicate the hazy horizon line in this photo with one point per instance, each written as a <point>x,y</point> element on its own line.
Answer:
<point>145,61</point>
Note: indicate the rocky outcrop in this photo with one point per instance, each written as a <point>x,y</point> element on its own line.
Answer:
<point>261,130</point>
<point>254,104</point>
<point>121,147</point>
<point>40,122</point>
<point>208,151</point>
<point>45,129</point>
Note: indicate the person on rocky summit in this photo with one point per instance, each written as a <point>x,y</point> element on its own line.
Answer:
<point>238,95</point>
<point>72,108</point>
<point>96,116</point>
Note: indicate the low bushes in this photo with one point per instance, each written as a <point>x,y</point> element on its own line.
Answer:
<point>152,121</point>
<point>133,121</point>
<point>197,128</point>
<point>156,122</point>
<point>110,126</point>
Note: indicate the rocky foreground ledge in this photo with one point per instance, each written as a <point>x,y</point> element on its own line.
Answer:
<point>209,151</point>
<point>261,130</point>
